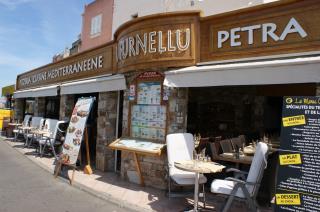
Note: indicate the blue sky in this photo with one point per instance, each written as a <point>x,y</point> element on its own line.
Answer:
<point>32,31</point>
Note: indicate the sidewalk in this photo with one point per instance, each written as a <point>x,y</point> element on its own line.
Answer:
<point>109,186</point>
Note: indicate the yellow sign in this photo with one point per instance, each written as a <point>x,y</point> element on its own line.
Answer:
<point>288,199</point>
<point>290,159</point>
<point>8,90</point>
<point>294,120</point>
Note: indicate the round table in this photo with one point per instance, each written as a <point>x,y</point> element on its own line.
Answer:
<point>198,167</point>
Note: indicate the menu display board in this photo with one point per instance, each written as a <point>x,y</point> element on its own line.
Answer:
<point>149,93</point>
<point>139,145</point>
<point>148,121</point>
<point>75,130</point>
<point>298,182</point>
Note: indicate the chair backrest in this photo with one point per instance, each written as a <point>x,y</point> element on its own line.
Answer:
<point>226,145</point>
<point>36,121</point>
<point>57,128</point>
<point>26,120</point>
<point>180,146</point>
<point>50,125</point>
<point>237,142</point>
<point>259,163</point>
<point>42,122</point>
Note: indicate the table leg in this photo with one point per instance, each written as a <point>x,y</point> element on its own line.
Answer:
<point>196,191</point>
<point>138,168</point>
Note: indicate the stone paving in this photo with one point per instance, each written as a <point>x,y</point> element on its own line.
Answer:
<point>109,186</point>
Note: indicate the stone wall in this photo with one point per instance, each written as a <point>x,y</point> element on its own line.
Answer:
<point>106,130</point>
<point>154,168</point>
<point>66,107</point>
<point>40,106</point>
<point>18,109</point>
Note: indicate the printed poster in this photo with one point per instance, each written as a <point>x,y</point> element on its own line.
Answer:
<point>75,131</point>
<point>298,184</point>
<point>149,93</point>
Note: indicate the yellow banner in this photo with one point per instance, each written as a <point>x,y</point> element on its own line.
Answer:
<point>288,199</point>
<point>290,159</point>
<point>294,121</point>
<point>8,90</point>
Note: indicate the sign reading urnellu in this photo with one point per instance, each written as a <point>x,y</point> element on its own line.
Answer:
<point>299,169</point>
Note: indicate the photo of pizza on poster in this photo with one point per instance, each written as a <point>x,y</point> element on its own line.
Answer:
<point>75,131</point>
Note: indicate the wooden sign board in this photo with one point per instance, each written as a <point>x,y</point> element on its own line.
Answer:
<point>139,146</point>
<point>157,41</point>
<point>91,63</point>
<point>278,28</point>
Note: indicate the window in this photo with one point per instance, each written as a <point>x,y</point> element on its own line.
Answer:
<point>96,25</point>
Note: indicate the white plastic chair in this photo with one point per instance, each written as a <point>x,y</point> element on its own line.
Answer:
<point>245,190</point>
<point>180,146</point>
<point>18,131</point>
<point>36,123</point>
<point>52,140</point>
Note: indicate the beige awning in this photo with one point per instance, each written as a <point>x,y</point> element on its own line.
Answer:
<point>37,92</point>
<point>286,71</point>
<point>101,84</point>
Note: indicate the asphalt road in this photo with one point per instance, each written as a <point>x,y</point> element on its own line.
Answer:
<point>24,186</point>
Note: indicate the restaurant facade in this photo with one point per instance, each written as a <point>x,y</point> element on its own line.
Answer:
<point>221,75</point>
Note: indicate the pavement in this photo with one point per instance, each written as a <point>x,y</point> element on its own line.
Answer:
<point>24,186</point>
<point>110,187</point>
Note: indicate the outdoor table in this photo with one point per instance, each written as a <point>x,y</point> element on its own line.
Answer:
<point>198,167</point>
<point>15,125</point>
<point>231,157</point>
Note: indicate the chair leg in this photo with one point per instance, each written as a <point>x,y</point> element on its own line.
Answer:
<point>230,199</point>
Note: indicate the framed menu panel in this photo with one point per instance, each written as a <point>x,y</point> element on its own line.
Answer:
<point>148,121</point>
<point>76,129</point>
<point>148,111</point>
<point>149,93</point>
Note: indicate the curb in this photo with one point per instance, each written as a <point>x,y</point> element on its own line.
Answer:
<point>107,197</point>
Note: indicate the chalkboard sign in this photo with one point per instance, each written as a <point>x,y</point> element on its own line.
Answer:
<point>298,182</point>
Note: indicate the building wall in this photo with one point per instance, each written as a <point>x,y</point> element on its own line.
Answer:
<point>18,109</point>
<point>153,168</point>
<point>66,107</point>
<point>125,9</point>
<point>106,130</point>
<point>104,7</point>
<point>39,106</point>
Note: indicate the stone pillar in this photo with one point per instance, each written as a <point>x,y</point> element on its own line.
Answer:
<point>106,130</point>
<point>40,106</point>
<point>18,109</point>
<point>178,105</point>
<point>66,107</point>
<point>154,168</point>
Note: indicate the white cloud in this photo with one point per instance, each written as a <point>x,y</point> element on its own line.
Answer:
<point>12,4</point>
<point>21,63</point>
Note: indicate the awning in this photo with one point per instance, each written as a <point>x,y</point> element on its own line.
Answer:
<point>286,71</point>
<point>101,84</point>
<point>37,92</point>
